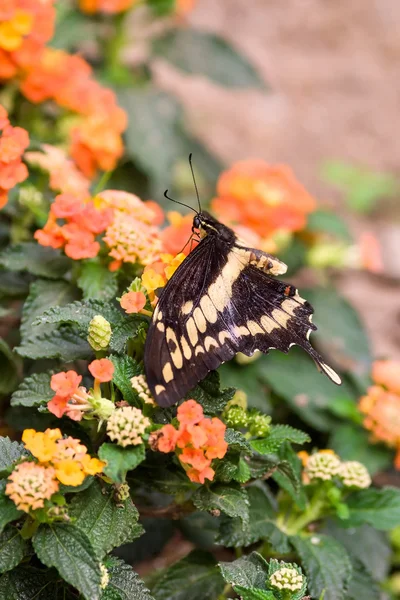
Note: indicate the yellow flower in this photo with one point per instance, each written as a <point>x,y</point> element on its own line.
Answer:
<point>172,263</point>
<point>42,445</point>
<point>152,280</point>
<point>92,466</point>
<point>13,31</point>
<point>69,472</point>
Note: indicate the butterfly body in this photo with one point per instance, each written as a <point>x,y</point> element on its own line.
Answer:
<point>223,299</point>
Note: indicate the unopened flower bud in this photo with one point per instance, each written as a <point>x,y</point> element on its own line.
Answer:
<point>354,475</point>
<point>322,465</point>
<point>236,417</point>
<point>103,408</point>
<point>259,425</point>
<point>239,399</point>
<point>127,425</point>
<point>121,492</point>
<point>99,333</point>
<point>287,578</point>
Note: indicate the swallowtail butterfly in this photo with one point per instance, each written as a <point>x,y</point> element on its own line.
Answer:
<point>223,299</point>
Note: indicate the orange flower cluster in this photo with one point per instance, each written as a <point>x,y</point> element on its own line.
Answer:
<point>65,177</point>
<point>67,79</point>
<point>262,199</point>
<point>13,142</point>
<point>61,460</point>
<point>175,237</point>
<point>82,221</point>
<point>197,442</point>
<point>381,405</point>
<point>25,27</point>
<point>105,6</point>
<point>156,275</point>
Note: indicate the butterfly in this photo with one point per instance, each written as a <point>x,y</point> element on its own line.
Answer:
<point>224,298</point>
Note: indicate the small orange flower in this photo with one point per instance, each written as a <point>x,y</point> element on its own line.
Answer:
<point>83,246</point>
<point>157,212</point>
<point>387,373</point>
<point>190,413</point>
<point>65,383</point>
<point>194,457</point>
<point>133,302</point>
<point>66,205</point>
<point>371,252</point>
<point>200,476</point>
<point>166,438</point>
<point>105,6</point>
<point>13,142</point>
<point>176,237</point>
<point>102,369</point>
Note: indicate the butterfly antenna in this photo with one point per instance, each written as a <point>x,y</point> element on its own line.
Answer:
<point>177,202</point>
<point>194,180</point>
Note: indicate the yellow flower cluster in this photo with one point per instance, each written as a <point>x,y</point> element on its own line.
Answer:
<point>61,460</point>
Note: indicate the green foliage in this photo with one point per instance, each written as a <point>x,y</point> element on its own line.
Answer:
<point>231,500</point>
<point>69,550</point>
<point>121,460</point>
<point>247,572</point>
<point>279,434</point>
<point>63,343</point>
<point>37,260</point>
<point>12,548</point>
<point>124,369</point>
<point>97,282</point>
<point>195,576</point>
<point>8,368</point>
<point>377,507</point>
<point>326,564</point>
<point>200,53</point>
<point>209,395</point>
<point>8,510</point>
<point>80,313</point>
<point>323,221</point>
<point>33,391</point>
<point>124,583</point>
<point>107,522</point>
<point>10,452</point>
<point>27,583</point>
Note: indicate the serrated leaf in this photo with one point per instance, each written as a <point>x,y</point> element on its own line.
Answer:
<point>377,507</point>
<point>68,549</point>
<point>230,499</point>
<point>63,343</point>
<point>254,593</point>
<point>242,473</point>
<point>33,391</point>
<point>261,524</point>
<point>124,369</point>
<point>108,524</point>
<point>237,441</point>
<point>38,260</point>
<point>97,281</point>
<point>279,434</point>
<point>200,53</point>
<point>12,548</point>
<point>121,460</point>
<point>8,510</point>
<point>43,294</point>
<point>81,313</point>
<point>210,396</point>
<point>362,585</point>
<point>130,327</point>
<point>27,583</point>
<point>248,571</point>
<point>10,452</point>
<point>288,474</point>
<point>196,577</point>
<point>8,368</point>
<point>124,583</point>
<point>327,565</point>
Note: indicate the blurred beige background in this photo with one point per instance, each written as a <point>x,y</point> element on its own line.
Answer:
<point>334,71</point>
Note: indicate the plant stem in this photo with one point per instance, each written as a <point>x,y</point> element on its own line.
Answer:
<point>312,513</point>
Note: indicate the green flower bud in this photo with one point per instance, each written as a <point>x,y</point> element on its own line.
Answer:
<point>323,466</point>
<point>102,408</point>
<point>121,492</point>
<point>287,578</point>
<point>259,425</point>
<point>99,333</point>
<point>239,399</point>
<point>236,417</point>
<point>354,475</point>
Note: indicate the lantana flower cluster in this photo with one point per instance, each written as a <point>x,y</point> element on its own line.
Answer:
<point>75,401</point>
<point>325,465</point>
<point>197,442</point>
<point>127,425</point>
<point>13,143</point>
<point>182,7</point>
<point>57,460</point>
<point>381,405</point>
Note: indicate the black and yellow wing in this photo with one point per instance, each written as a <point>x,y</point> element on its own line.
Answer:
<point>219,302</point>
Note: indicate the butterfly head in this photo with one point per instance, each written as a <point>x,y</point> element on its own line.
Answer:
<point>207,225</point>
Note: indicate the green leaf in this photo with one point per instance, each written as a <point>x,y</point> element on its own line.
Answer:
<point>72,28</point>
<point>288,476</point>
<point>207,54</point>
<point>162,7</point>
<point>38,260</point>
<point>248,572</point>
<point>130,327</point>
<point>309,393</point>
<point>210,396</point>
<point>12,548</point>
<point>231,500</point>
<point>278,434</point>
<point>69,550</point>
<point>121,460</point>
<point>124,583</point>
<point>341,335</point>
<point>8,510</point>
<point>353,443</point>
<point>8,368</point>
<point>33,391</point>
<point>327,565</point>
<point>254,593</point>
<point>124,369</point>
<point>27,583</point>
<point>196,577</point>
<point>106,523</point>
<point>362,585</point>
<point>10,452</point>
<point>81,313</point>
<point>63,343</point>
<point>97,281</point>
<point>13,284</point>
<point>379,508</point>
<point>237,441</point>
<point>162,478</point>
<point>261,524</point>
<point>328,222</point>
<point>43,294</point>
